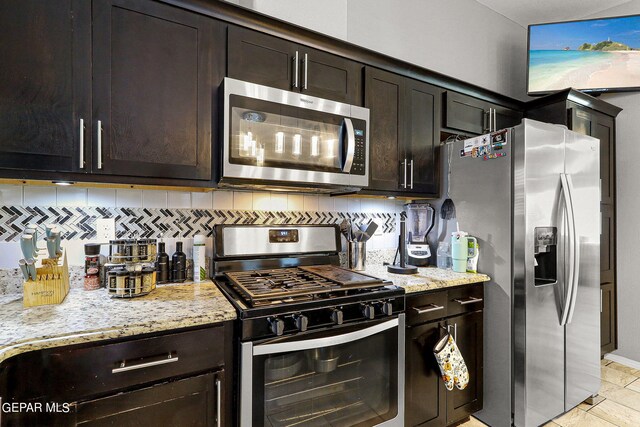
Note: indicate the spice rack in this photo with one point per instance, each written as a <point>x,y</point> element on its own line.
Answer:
<point>131,271</point>
<point>51,285</point>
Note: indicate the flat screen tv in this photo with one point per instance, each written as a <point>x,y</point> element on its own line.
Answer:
<point>595,55</point>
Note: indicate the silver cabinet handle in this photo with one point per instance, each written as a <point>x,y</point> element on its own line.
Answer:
<point>487,121</point>
<point>351,145</point>
<point>306,69</point>
<point>455,331</point>
<point>295,70</point>
<point>471,300</point>
<point>404,166</point>
<point>99,135</point>
<point>218,403</point>
<point>424,309</point>
<point>81,143</point>
<point>411,184</point>
<point>171,358</point>
<point>495,121</point>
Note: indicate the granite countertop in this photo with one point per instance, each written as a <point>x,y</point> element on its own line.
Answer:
<point>427,279</point>
<point>86,316</point>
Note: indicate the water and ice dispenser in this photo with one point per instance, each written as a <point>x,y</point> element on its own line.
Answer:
<point>546,256</point>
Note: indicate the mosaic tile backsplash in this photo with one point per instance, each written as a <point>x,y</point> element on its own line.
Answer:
<point>79,222</point>
<point>174,215</point>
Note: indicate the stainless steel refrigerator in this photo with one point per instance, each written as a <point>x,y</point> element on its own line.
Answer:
<point>531,197</point>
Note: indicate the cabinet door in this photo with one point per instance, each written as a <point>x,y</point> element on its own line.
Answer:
<point>44,78</point>
<point>192,401</point>
<point>607,244</point>
<point>468,331</point>
<point>258,58</point>
<point>607,318</point>
<point>383,97</point>
<point>329,76</point>
<point>580,119</point>
<point>422,137</point>
<point>152,90</point>
<point>466,114</point>
<point>506,117</point>
<point>604,131</point>
<point>425,395</point>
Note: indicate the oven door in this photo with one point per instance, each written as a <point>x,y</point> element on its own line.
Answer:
<point>343,376</point>
<point>276,136</point>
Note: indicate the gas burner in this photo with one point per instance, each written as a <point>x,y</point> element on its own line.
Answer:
<point>288,285</point>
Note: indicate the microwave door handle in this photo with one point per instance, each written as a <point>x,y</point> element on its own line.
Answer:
<point>351,146</point>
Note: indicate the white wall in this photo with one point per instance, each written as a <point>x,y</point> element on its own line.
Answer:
<point>628,206</point>
<point>459,38</point>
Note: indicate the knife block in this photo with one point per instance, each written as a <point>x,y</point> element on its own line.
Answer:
<point>52,284</point>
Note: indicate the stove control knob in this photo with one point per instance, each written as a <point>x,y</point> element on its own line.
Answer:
<point>301,321</point>
<point>277,325</point>
<point>386,307</point>
<point>337,316</point>
<point>368,311</point>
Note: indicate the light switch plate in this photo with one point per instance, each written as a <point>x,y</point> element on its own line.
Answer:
<point>105,229</point>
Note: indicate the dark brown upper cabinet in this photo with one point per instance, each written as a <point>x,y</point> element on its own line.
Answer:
<point>152,90</point>
<point>259,58</point>
<point>44,77</point>
<point>404,134</point>
<point>475,116</point>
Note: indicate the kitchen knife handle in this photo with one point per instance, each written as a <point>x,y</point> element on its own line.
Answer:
<point>81,142</point>
<point>99,134</point>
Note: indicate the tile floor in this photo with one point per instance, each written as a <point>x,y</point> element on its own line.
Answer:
<point>617,405</point>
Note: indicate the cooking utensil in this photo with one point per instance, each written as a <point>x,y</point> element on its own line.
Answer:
<point>27,246</point>
<point>368,230</point>
<point>31,268</point>
<point>285,366</point>
<point>344,228</point>
<point>325,359</point>
<point>23,267</point>
<point>52,247</point>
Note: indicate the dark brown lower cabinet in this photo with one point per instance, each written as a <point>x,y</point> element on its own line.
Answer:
<point>188,402</point>
<point>427,401</point>
<point>607,318</point>
<point>174,379</point>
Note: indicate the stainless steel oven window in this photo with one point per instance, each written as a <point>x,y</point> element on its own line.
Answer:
<point>346,379</point>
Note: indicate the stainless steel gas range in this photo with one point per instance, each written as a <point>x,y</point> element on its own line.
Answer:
<point>319,345</point>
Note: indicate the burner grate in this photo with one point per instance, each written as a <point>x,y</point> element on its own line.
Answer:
<point>283,285</point>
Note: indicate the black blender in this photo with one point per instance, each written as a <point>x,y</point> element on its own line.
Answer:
<point>420,221</point>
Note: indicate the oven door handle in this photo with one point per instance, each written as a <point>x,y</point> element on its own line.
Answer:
<point>286,347</point>
<point>351,145</point>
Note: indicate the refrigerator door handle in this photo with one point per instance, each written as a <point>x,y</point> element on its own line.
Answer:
<point>576,255</point>
<point>570,282</point>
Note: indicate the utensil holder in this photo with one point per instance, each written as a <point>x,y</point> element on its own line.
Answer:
<point>357,255</point>
<point>51,285</point>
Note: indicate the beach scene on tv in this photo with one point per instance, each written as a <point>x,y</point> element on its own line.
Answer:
<point>594,54</point>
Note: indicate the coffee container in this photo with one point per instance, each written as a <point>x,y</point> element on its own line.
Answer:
<point>162,265</point>
<point>179,264</point>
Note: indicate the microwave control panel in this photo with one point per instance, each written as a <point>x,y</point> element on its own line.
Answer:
<point>360,156</point>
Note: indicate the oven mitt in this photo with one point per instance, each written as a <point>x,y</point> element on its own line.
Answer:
<point>451,363</point>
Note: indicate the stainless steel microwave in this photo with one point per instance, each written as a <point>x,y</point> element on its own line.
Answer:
<point>276,138</point>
